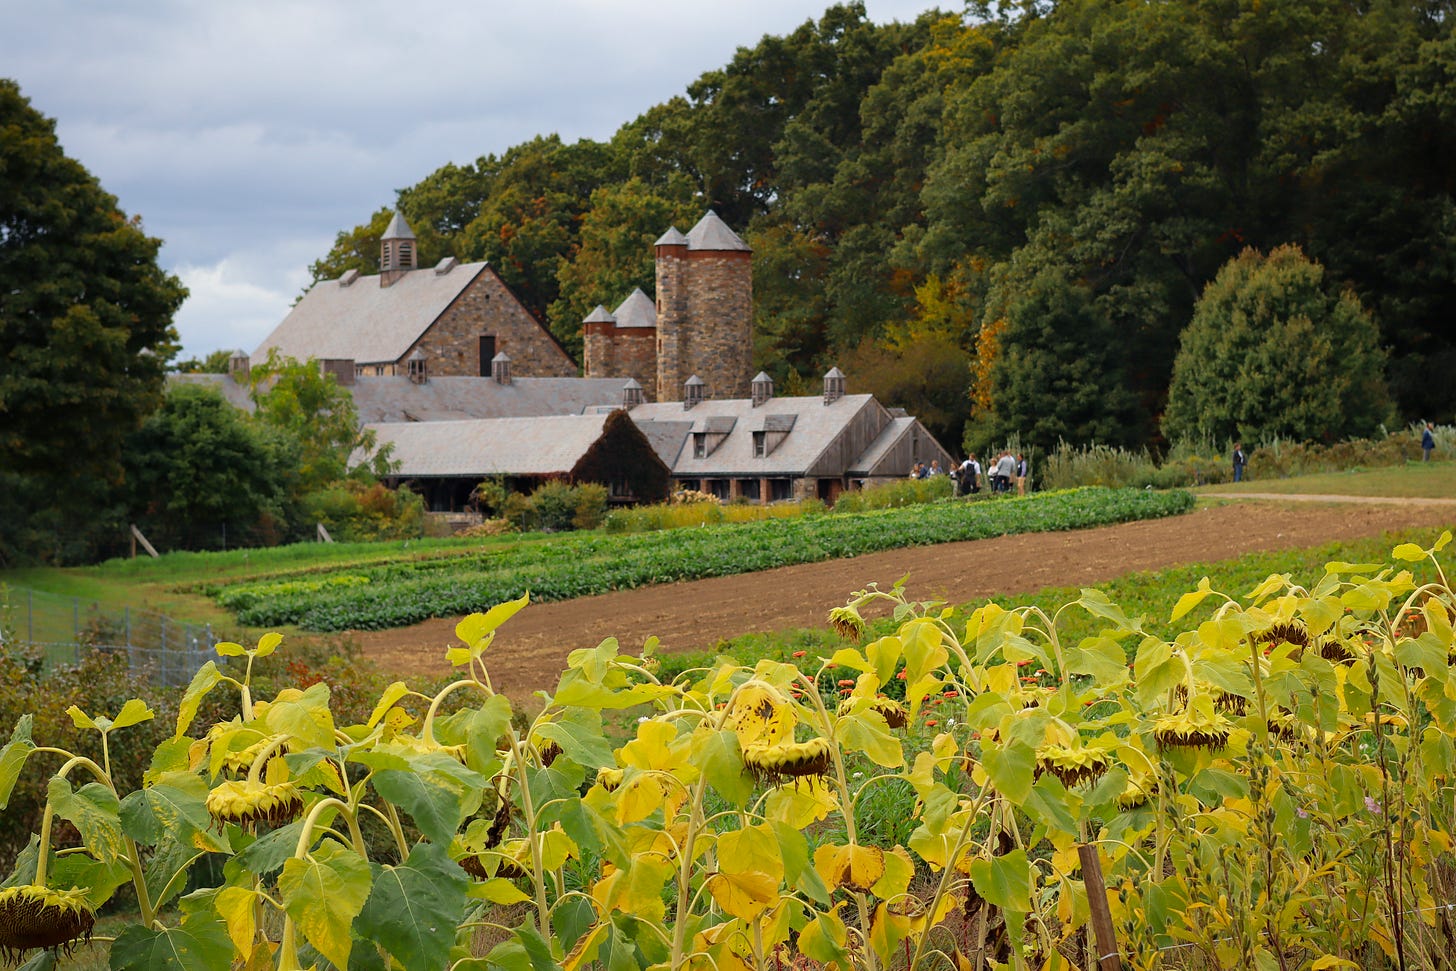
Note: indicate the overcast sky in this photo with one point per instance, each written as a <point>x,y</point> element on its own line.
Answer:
<point>246,135</point>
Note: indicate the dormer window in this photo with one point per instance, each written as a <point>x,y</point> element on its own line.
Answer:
<point>760,444</point>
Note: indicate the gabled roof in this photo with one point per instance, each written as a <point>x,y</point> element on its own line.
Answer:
<point>815,427</point>
<point>712,233</point>
<point>501,446</point>
<point>365,322</point>
<point>877,450</point>
<point>637,310</point>
<point>396,398</point>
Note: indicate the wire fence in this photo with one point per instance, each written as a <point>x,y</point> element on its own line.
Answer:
<point>63,629</point>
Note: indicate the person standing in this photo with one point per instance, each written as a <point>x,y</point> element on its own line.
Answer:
<point>1021,470</point>
<point>1005,470</point>
<point>1240,460</point>
<point>1428,441</point>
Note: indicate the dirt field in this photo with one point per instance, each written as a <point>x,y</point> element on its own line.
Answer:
<point>531,650</point>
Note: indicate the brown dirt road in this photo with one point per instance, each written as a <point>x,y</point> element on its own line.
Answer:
<point>531,650</point>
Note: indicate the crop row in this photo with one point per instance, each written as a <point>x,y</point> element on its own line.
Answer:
<point>585,564</point>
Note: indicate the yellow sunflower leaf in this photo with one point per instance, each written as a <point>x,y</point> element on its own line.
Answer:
<point>856,867</point>
<point>744,895</point>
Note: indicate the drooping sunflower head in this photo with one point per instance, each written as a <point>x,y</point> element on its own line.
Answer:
<point>1192,728</point>
<point>609,779</point>
<point>1074,764</point>
<point>1139,789</point>
<point>1335,651</point>
<point>39,917</point>
<point>774,764</point>
<point>847,622</point>
<point>888,708</point>
<point>241,760</point>
<point>247,803</point>
<point>1289,632</point>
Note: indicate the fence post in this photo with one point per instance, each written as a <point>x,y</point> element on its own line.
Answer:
<point>1108,956</point>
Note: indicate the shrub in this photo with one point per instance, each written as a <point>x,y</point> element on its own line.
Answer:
<point>553,506</point>
<point>591,505</point>
<point>899,492</point>
<point>353,511</point>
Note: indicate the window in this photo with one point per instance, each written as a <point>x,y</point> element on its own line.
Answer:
<point>700,445</point>
<point>760,445</point>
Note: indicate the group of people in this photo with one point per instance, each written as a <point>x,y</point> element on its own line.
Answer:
<point>999,473</point>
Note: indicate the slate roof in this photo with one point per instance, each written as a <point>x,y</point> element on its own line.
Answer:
<point>876,451</point>
<point>815,428</point>
<point>395,398</point>
<point>712,233</point>
<point>549,445</point>
<point>363,321</point>
<point>637,310</point>
<point>673,237</point>
<point>398,228</point>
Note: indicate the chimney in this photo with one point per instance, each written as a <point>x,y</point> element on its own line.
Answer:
<point>762,389</point>
<point>500,368</point>
<point>694,390</point>
<point>418,367</point>
<point>833,386</point>
<point>631,394</point>
<point>240,367</point>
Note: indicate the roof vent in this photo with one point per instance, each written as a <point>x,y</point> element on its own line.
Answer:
<point>500,368</point>
<point>418,366</point>
<point>446,265</point>
<point>349,277</point>
<point>762,388</point>
<point>694,391</point>
<point>631,394</point>
<point>239,366</point>
<point>833,386</point>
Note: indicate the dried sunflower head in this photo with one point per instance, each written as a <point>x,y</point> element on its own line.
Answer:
<point>889,709</point>
<point>1285,633</point>
<point>1074,764</point>
<point>609,779</point>
<point>246,803</point>
<point>39,917</point>
<point>1191,728</point>
<point>1139,789</point>
<point>789,760</point>
<point>847,622</point>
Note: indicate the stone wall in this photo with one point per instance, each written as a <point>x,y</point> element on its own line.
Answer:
<point>671,313</point>
<point>625,352</point>
<point>716,335</point>
<point>487,307</point>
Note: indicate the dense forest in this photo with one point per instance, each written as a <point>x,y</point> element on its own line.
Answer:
<point>1003,219</point>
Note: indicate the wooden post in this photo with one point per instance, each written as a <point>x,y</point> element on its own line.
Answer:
<point>137,537</point>
<point>323,534</point>
<point>1108,957</point>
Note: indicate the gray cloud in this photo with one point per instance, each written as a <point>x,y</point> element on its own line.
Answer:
<point>247,135</point>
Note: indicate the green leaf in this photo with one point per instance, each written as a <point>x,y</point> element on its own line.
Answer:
<point>166,861</point>
<point>306,718</point>
<point>435,808</point>
<point>414,909</point>
<point>96,813</point>
<point>13,756</point>
<point>197,944</point>
<point>1011,766</point>
<point>267,644</point>
<point>268,852</point>
<point>323,893</point>
<point>1005,881</point>
<point>99,880</point>
<point>203,681</point>
<point>134,712</point>
<point>175,806</point>
<point>1097,603</point>
<point>580,735</point>
<point>593,832</point>
<point>721,760</point>
<point>858,733</point>
<point>560,780</point>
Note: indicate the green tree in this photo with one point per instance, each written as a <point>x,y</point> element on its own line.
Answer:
<point>298,400</point>
<point>1270,353</point>
<point>85,330</point>
<point>215,362</point>
<point>200,472</point>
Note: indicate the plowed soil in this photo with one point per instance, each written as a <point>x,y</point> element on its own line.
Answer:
<point>531,650</point>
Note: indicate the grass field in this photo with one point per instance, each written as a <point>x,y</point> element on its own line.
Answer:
<point>1414,480</point>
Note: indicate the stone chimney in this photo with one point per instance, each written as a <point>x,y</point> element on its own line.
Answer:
<point>500,368</point>
<point>762,388</point>
<point>418,366</point>
<point>397,255</point>
<point>694,391</point>
<point>833,386</point>
<point>631,394</point>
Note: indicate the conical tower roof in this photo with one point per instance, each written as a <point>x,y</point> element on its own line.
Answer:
<point>398,228</point>
<point>712,233</point>
<point>637,310</point>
